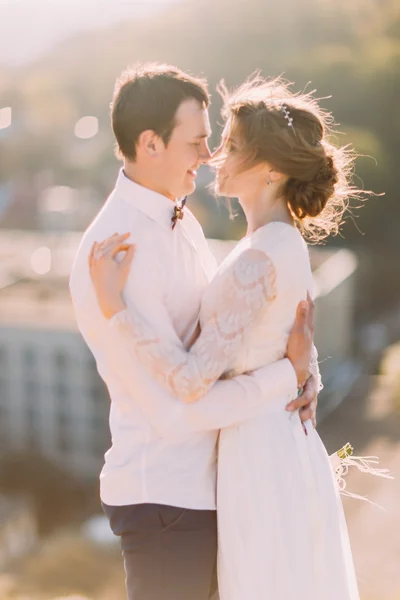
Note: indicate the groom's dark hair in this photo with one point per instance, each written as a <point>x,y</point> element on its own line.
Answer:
<point>147,97</point>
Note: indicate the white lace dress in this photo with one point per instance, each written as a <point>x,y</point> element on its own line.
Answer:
<point>282,531</point>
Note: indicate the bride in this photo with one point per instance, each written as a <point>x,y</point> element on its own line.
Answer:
<point>282,532</point>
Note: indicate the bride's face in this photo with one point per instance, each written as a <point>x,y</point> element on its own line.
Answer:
<point>234,178</point>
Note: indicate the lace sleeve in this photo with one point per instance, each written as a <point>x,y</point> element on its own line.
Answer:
<point>314,368</point>
<point>244,291</point>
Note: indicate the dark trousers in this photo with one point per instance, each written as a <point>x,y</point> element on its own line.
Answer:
<point>169,553</point>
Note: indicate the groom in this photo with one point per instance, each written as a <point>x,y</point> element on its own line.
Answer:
<point>158,483</point>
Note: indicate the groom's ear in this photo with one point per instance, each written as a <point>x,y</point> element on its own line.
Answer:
<point>150,143</point>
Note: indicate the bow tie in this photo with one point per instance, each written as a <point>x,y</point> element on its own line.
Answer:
<point>178,212</point>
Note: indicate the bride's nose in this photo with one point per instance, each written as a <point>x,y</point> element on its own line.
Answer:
<point>217,151</point>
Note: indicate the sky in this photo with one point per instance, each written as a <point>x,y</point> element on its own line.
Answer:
<point>29,28</point>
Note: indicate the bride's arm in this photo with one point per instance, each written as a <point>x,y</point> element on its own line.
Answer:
<point>246,290</point>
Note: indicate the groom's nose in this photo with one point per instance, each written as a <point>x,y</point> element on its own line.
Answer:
<point>205,154</point>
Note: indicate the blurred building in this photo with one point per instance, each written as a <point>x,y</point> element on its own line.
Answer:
<point>51,398</point>
<point>36,204</point>
<point>18,203</point>
<point>63,208</point>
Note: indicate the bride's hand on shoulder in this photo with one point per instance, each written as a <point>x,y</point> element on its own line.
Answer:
<point>109,272</point>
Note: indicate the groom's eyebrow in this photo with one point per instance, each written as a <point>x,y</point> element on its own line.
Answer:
<point>201,136</point>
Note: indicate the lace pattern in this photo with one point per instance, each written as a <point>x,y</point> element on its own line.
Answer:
<point>314,368</point>
<point>243,292</point>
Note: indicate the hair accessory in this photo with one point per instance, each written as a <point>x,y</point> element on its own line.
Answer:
<point>286,112</point>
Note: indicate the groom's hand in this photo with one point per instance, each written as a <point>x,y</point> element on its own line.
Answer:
<point>310,394</point>
<point>306,402</point>
<point>301,339</point>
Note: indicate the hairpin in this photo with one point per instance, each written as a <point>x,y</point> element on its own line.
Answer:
<point>286,112</point>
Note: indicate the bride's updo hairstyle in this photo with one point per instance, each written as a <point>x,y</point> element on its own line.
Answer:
<point>290,132</point>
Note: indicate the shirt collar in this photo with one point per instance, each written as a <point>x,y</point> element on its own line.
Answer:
<point>156,206</point>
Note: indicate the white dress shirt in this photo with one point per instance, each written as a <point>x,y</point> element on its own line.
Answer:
<point>163,450</point>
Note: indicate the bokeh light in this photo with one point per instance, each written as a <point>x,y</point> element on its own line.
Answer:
<point>41,260</point>
<point>86,127</point>
<point>5,117</point>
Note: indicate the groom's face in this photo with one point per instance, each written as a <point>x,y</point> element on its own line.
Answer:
<point>186,150</point>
